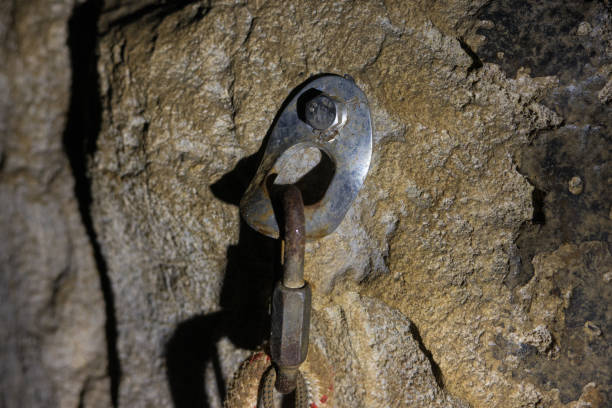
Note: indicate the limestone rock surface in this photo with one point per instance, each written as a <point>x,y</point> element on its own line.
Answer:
<point>376,347</point>
<point>188,98</point>
<point>52,312</point>
<point>465,273</point>
<point>370,343</point>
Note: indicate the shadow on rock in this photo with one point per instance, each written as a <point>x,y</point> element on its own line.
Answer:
<point>243,319</point>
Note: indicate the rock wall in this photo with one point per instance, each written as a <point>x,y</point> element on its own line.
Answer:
<point>569,167</point>
<point>53,349</point>
<point>447,284</point>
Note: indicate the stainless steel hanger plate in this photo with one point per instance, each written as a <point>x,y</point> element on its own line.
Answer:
<point>332,114</point>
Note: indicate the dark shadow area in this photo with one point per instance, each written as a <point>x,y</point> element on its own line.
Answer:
<point>253,266</point>
<point>520,267</point>
<point>249,280</point>
<point>476,62</point>
<point>303,99</point>
<point>231,187</point>
<point>564,39</point>
<point>244,320</point>
<point>248,283</point>
<point>535,35</point>
<point>313,185</point>
<point>157,11</point>
<point>537,200</point>
<point>435,368</point>
<point>288,400</point>
<point>79,140</point>
<point>187,356</point>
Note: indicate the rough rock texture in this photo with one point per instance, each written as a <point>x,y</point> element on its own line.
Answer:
<point>569,167</point>
<point>188,94</point>
<point>370,345</point>
<point>560,295</point>
<point>466,273</point>
<point>53,348</point>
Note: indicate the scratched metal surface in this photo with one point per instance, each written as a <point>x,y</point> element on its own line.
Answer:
<point>349,147</point>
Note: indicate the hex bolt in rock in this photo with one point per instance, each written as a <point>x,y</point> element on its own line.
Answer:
<point>332,114</point>
<point>323,112</point>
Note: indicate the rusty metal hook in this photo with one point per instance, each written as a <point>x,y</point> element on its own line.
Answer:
<point>332,114</point>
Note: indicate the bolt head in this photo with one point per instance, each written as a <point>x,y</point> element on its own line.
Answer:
<point>323,112</point>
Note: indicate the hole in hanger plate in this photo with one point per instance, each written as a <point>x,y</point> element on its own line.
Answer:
<point>308,167</point>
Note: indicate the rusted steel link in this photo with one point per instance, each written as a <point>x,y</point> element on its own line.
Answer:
<point>291,299</point>
<point>295,238</point>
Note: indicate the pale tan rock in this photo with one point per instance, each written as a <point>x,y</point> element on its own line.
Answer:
<point>53,342</point>
<point>575,185</point>
<point>192,93</point>
<point>410,285</point>
<point>384,365</point>
<point>584,28</point>
<point>605,93</point>
<point>364,354</point>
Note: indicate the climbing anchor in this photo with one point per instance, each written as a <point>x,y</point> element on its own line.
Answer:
<point>332,114</point>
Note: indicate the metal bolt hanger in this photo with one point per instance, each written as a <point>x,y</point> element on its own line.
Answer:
<point>332,114</point>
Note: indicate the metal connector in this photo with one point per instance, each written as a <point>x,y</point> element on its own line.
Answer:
<point>294,238</point>
<point>291,299</point>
